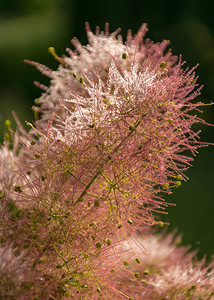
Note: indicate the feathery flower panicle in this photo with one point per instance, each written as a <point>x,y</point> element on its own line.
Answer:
<point>93,170</point>
<point>67,247</point>
<point>97,56</point>
<point>125,127</point>
<point>64,236</point>
<point>168,270</point>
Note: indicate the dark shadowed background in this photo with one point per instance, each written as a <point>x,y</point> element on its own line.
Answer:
<point>28,28</point>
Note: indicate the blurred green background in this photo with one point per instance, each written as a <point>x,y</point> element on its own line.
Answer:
<point>28,28</point>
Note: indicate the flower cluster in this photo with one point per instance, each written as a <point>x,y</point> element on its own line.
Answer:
<point>86,183</point>
<point>168,270</point>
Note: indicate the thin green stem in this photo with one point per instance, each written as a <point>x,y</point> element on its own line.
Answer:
<point>80,198</point>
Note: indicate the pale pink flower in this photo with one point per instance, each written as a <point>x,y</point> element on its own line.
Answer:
<point>97,56</point>
<point>11,264</point>
<point>9,176</point>
<point>167,270</point>
<point>14,269</point>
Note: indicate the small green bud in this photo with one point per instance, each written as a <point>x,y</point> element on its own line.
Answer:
<point>36,101</point>
<point>108,242</point>
<point>140,147</point>
<point>124,55</point>
<point>130,222</point>
<point>28,172</point>
<point>146,272</point>
<point>34,236</point>
<point>178,177</point>
<point>113,271</point>
<point>178,183</point>
<point>26,245</point>
<point>74,75</point>
<point>51,50</point>
<point>166,185</point>
<point>162,64</point>
<point>18,189</point>
<point>145,165</point>
<point>36,245</point>
<point>86,255</point>
<point>137,260</point>
<point>98,290</point>
<point>126,263</point>
<point>37,155</point>
<point>160,224</point>
<point>58,266</point>
<point>131,298</point>
<point>8,124</point>
<point>99,246</point>
<point>119,226</point>
<point>29,124</point>
<point>106,70</point>
<point>178,242</point>
<point>7,137</point>
<point>97,203</point>
<point>43,178</point>
<point>11,207</point>
<point>67,295</point>
<point>95,226</point>
<point>81,80</point>
<point>33,143</point>
<point>137,275</point>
